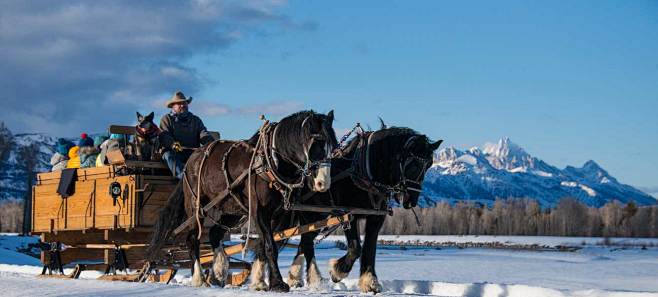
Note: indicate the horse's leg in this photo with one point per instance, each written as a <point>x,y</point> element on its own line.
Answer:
<point>368,280</point>
<point>258,268</point>
<point>220,260</point>
<point>313,276</point>
<point>296,272</point>
<point>193,248</point>
<point>340,268</point>
<point>271,250</point>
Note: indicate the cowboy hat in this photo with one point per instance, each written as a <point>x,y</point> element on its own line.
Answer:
<point>178,98</point>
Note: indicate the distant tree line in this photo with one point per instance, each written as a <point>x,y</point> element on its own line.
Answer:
<point>11,216</point>
<point>525,217</point>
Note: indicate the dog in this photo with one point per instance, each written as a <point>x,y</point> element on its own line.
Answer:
<point>146,138</point>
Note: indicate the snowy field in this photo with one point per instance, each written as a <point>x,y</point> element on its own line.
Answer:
<point>593,270</point>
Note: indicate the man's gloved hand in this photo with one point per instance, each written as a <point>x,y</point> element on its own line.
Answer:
<point>176,147</point>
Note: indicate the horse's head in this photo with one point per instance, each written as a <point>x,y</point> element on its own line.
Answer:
<point>399,158</point>
<point>310,140</point>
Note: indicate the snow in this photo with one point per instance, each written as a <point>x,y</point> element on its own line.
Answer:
<point>569,184</point>
<point>542,173</point>
<point>468,159</point>
<point>592,271</point>
<point>588,190</point>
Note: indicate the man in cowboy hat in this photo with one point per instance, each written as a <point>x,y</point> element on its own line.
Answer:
<point>182,131</point>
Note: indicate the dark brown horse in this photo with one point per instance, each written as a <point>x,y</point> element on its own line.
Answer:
<point>373,170</point>
<point>279,159</point>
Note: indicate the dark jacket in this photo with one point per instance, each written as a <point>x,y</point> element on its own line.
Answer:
<point>187,129</point>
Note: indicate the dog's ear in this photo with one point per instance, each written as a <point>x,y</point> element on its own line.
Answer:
<point>140,118</point>
<point>435,145</point>
<point>330,116</point>
<point>149,117</point>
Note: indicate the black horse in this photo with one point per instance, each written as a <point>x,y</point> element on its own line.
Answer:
<point>267,168</point>
<point>373,169</point>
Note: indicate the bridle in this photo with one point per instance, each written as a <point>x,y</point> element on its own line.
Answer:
<point>364,179</point>
<point>406,159</point>
<point>271,152</point>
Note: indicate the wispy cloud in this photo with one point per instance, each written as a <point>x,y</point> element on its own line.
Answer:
<point>82,63</point>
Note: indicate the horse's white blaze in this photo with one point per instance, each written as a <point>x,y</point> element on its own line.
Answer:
<point>220,265</point>
<point>197,274</point>
<point>336,275</point>
<point>323,179</point>
<point>296,272</point>
<point>258,276</point>
<point>314,277</point>
<point>369,283</point>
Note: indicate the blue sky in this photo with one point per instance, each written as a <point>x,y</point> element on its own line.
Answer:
<point>568,81</point>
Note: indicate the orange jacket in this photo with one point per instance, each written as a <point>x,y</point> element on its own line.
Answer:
<point>74,158</point>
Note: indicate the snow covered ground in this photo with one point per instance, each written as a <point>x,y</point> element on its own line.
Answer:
<point>591,271</point>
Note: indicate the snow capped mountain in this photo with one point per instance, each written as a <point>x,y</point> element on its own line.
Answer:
<point>14,149</point>
<point>506,170</point>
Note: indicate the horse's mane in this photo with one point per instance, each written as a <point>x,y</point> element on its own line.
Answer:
<point>382,134</point>
<point>395,131</point>
<point>300,115</point>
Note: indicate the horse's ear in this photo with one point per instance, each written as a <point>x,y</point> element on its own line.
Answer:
<point>330,116</point>
<point>149,117</point>
<point>382,126</point>
<point>436,145</point>
<point>139,116</point>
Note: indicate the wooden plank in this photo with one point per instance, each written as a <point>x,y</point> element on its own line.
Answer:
<point>52,178</point>
<point>73,237</point>
<point>120,277</point>
<point>71,255</point>
<point>127,237</point>
<point>146,164</point>
<point>115,157</point>
<point>111,246</point>
<point>331,221</point>
<point>332,209</point>
<point>285,234</point>
<point>119,129</point>
<point>238,279</point>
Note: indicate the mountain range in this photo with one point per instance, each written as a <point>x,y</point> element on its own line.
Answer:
<point>505,170</point>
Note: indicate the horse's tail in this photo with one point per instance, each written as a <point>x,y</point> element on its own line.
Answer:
<point>172,215</point>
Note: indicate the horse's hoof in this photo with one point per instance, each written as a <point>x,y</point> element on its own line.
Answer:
<point>280,288</point>
<point>368,283</point>
<point>259,286</point>
<point>196,282</point>
<point>334,271</point>
<point>295,283</point>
